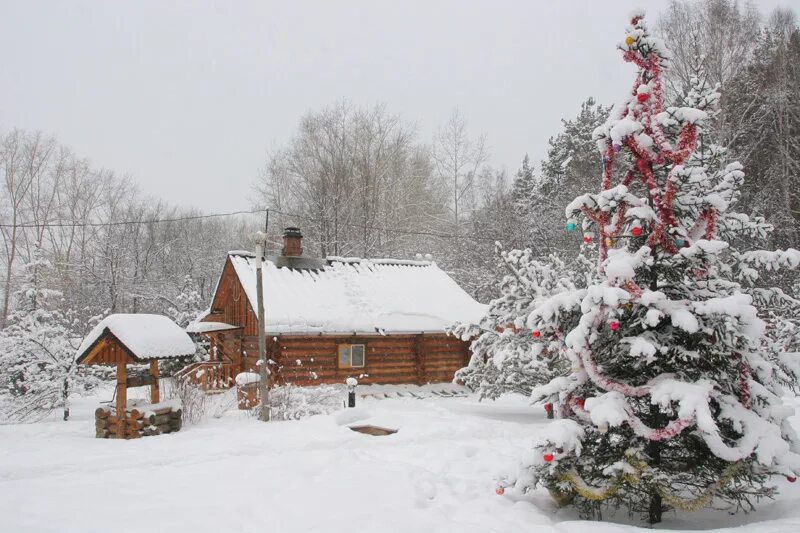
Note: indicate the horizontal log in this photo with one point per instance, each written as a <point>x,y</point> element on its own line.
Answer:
<point>453,360</point>
<point>155,420</point>
<point>318,345</point>
<point>318,362</point>
<point>130,425</point>
<point>139,381</point>
<point>391,356</point>
<point>100,433</point>
<point>438,378</point>
<point>441,351</point>
<point>443,365</point>
<point>102,412</point>
<point>135,414</point>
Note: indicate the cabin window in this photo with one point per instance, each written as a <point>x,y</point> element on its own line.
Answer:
<point>351,355</point>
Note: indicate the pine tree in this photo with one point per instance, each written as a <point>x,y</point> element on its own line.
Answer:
<point>507,357</point>
<point>673,400</point>
<point>566,172</point>
<point>187,305</point>
<point>523,188</point>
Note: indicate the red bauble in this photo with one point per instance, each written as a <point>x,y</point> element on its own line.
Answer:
<point>499,491</point>
<point>643,97</point>
<point>791,479</point>
<point>614,325</point>
<point>548,406</point>
<point>636,231</point>
<point>581,402</point>
<point>587,239</point>
<point>548,457</point>
<point>536,334</point>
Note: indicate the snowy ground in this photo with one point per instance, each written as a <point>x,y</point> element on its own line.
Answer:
<point>237,474</point>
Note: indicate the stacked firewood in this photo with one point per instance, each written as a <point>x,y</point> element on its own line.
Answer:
<point>139,421</point>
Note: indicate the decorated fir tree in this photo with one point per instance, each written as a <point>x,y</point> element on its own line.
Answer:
<point>673,400</point>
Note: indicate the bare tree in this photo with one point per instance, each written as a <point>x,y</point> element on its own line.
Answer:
<point>458,159</point>
<point>25,158</point>
<point>722,32</point>
<point>349,174</point>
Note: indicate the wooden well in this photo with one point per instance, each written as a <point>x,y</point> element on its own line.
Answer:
<point>124,421</point>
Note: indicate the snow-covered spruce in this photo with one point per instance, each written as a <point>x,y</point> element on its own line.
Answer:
<point>37,352</point>
<point>507,356</point>
<point>674,396</point>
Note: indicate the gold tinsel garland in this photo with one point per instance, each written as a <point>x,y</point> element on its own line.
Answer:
<point>588,492</point>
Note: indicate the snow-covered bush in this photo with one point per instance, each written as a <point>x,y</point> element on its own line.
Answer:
<point>507,356</point>
<point>288,402</point>
<point>196,403</point>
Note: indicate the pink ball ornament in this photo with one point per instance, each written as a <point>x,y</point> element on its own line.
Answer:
<point>613,325</point>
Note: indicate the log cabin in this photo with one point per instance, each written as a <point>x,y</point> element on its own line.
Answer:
<point>382,321</point>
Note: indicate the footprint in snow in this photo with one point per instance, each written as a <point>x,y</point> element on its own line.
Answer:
<point>425,492</point>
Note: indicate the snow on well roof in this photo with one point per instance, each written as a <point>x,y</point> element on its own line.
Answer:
<point>146,336</point>
<point>357,295</point>
<point>207,327</point>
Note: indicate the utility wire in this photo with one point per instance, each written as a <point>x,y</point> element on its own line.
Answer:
<point>126,222</point>
<point>250,212</point>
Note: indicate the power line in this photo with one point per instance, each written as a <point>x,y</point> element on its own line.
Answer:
<point>246,212</point>
<point>127,222</point>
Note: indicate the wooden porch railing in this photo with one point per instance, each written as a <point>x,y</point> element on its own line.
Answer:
<point>210,375</point>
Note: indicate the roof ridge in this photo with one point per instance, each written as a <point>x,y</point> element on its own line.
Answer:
<point>379,261</point>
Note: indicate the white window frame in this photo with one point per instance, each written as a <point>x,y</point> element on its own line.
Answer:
<point>349,348</point>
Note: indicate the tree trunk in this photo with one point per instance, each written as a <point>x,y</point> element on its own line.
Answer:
<point>65,398</point>
<point>9,269</point>
<point>654,514</point>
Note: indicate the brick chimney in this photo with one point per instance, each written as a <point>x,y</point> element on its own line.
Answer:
<point>292,242</point>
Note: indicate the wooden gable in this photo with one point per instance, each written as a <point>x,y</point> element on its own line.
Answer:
<point>107,350</point>
<point>230,304</point>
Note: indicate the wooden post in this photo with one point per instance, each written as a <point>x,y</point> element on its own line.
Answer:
<point>155,391</point>
<point>122,398</point>
<point>262,338</point>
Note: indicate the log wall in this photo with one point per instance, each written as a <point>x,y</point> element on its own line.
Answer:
<point>393,359</point>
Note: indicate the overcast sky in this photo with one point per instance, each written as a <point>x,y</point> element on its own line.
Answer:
<point>188,97</point>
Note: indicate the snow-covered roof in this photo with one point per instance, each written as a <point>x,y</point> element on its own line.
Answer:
<point>348,295</point>
<point>144,336</point>
<point>206,327</point>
